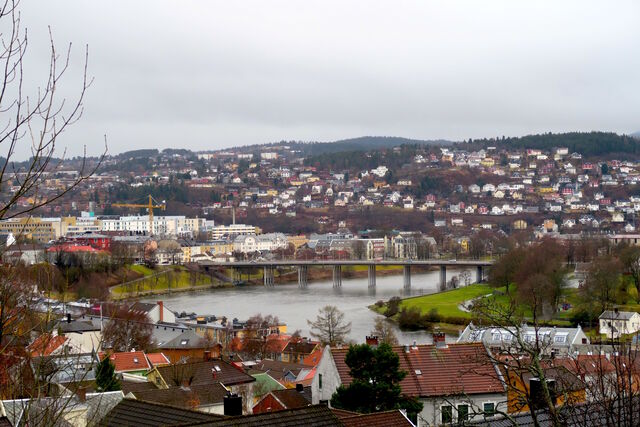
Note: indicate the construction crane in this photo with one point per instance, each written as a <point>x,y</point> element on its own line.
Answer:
<point>150,207</point>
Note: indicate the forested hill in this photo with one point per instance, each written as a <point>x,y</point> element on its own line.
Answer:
<point>362,144</point>
<point>588,144</point>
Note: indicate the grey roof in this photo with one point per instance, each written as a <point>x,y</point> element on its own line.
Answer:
<point>183,397</point>
<point>613,315</point>
<point>161,334</point>
<point>493,336</point>
<point>309,416</point>
<point>78,326</point>
<point>131,412</point>
<point>186,339</point>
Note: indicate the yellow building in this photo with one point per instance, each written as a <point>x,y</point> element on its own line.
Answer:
<point>41,230</point>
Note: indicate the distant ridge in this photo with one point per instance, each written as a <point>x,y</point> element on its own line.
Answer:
<point>636,134</point>
<point>366,143</point>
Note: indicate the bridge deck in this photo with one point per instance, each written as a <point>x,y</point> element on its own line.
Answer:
<point>331,262</point>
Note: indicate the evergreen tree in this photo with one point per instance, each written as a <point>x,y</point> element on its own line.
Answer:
<point>375,385</point>
<point>106,379</point>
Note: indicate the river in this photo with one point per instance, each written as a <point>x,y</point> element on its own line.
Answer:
<point>294,305</point>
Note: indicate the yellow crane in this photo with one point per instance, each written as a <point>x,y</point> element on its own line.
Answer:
<point>150,207</point>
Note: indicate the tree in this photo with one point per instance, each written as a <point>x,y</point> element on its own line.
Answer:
<point>106,379</point>
<point>602,283</point>
<point>375,385</point>
<point>34,122</point>
<point>503,271</point>
<point>384,331</point>
<point>630,259</point>
<point>127,329</point>
<point>329,326</point>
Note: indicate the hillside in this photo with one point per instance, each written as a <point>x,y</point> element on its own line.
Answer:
<point>589,144</point>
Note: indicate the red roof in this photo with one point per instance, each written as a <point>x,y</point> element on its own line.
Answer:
<point>128,361</point>
<point>158,359</point>
<point>73,248</point>
<point>314,358</point>
<point>457,368</point>
<point>46,344</point>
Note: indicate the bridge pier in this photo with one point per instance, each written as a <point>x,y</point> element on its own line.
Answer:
<point>479,274</point>
<point>443,277</point>
<point>406,270</point>
<point>337,276</point>
<point>236,274</point>
<point>268,275</point>
<point>372,276</point>
<point>303,271</point>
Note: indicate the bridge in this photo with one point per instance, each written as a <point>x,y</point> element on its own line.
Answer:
<point>303,268</point>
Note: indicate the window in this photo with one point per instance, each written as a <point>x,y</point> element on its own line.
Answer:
<point>489,409</point>
<point>446,412</point>
<point>320,381</point>
<point>463,413</point>
<point>560,338</point>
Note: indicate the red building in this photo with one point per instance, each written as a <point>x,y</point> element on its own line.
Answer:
<point>101,242</point>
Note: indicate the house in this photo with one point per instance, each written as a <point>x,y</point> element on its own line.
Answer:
<point>615,323</point>
<point>288,398</point>
<point>448,379</point>
<point>209,372</point>
<point>559,341</point>
<point>157,313</point>
<point>296,351</point>
<point>189,345</point>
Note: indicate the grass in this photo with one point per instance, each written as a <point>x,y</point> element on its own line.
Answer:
<point>142,269</point>
<point>447,302</point>
<point>173,278</point>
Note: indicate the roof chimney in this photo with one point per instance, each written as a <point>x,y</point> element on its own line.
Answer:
<point>232,405</point>
<point>68,317</point>
<point>439,340</point>
<point>161,305</point>
<point>406,349</point>
<point>372,341</point>
<point>207,355</point>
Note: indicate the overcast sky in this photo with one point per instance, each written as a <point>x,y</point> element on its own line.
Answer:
<point>214,74</point>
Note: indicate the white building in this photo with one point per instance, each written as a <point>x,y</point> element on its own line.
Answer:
<point>177,225</point>
<point>259,243</point>
<point>616,323</point>
<point>218,231</point>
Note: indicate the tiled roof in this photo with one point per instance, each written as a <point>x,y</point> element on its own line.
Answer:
<point>304,347</point>
<point>46,344</point>
<point>431,371</point>
<point>128,361</point>
<point>157,359</point>
<point>309,416</point>
<point>204,372</point>
<point>131,412</point>
<point>292,398</point>
<point>377,419</point>
<point>185,397</point>
<point>136,386</point>
<point>314,358</point>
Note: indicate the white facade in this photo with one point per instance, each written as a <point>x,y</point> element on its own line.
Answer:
<point>263,242</point>
<point>162,225</point>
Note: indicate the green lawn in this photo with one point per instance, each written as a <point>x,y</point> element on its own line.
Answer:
<point>447,302</point>
<point>142,269</point>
